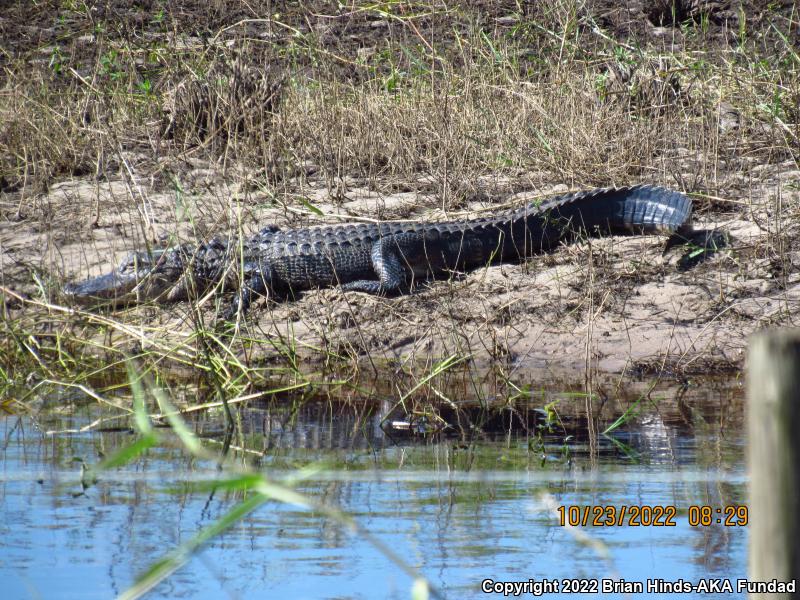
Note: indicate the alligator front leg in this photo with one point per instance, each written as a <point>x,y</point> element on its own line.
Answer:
<point>255,284</point>
<point>391,268</point>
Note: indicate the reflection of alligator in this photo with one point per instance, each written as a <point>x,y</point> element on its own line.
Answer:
<point>381,257</point>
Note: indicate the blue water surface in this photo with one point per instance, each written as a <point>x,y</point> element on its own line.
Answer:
<point>456,525</point>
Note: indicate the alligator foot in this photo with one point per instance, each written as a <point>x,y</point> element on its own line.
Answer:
<point>701,245</point>
<point>375,288</point>
<point>251,288</point>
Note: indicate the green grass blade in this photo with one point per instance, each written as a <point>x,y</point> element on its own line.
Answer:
<point>173,561</point>
<point>178,425</point>
<point>139,406</point>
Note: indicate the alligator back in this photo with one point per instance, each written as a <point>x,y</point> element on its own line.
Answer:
<point>338,254</point>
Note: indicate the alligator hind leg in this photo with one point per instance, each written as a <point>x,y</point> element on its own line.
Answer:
<point>390,268</point>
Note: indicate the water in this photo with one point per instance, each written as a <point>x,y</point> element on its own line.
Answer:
<point>459,507</point>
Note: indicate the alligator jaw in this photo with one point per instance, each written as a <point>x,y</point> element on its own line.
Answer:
<point>140,276</point>
<point>114,286</point>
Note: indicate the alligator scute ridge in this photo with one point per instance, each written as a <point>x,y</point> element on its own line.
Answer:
<point>384,257</point>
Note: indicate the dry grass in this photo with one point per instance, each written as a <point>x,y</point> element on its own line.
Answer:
<point>451,95</point>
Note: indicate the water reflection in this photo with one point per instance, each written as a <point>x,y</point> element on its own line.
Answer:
<point>461,502</point>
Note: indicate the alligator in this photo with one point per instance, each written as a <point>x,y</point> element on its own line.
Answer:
<point>380,257</point>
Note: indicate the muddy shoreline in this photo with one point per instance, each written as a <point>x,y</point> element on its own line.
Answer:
<point>617,304</point>
<point>185,123</point>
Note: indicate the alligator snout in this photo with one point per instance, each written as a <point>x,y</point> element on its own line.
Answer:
<point>110,286</point>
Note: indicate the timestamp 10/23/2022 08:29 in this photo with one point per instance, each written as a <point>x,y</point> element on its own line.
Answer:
<point>651,515</point>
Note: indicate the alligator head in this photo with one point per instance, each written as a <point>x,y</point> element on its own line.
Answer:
<point>141,276</point>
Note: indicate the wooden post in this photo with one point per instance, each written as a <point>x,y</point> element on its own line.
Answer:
<point>773,457</point>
